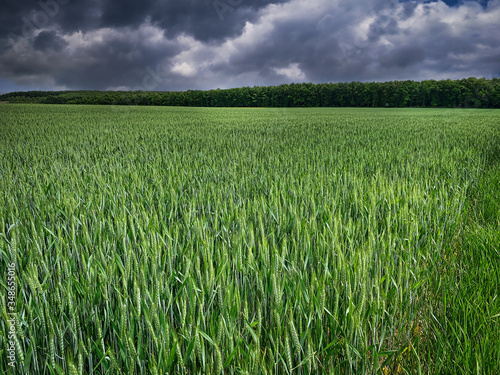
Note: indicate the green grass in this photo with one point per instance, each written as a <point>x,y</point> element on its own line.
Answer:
<point>185,240</point>
<point>465,318</point>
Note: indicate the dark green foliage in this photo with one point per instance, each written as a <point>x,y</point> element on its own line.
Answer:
<point>464,93</point>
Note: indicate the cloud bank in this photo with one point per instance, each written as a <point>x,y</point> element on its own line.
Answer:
<point>172,45</point>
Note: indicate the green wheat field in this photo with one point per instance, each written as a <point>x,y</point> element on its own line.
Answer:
<point>170,240</point>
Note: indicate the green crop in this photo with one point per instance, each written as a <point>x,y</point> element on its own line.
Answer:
<point>160,240</point>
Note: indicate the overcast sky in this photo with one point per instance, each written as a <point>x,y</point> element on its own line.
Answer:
<point>204,44</point>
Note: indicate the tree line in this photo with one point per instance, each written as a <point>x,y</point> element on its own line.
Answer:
<point>464,93</point>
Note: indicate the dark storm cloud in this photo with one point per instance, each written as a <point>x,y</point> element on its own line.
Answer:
<point>125,12</point>
<point>152,44</point>
<point>22,18</point>
<point>206,20</point>
<point>400,42</point>
<point>49,40</point>
<point>408,9</point>
<point>403,57</point>
<point>110,58</point>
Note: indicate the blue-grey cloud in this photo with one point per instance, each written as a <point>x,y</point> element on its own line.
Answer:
<point>172,45</point>
<point>49,40</point>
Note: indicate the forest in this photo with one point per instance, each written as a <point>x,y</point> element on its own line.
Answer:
<point>464,93</point>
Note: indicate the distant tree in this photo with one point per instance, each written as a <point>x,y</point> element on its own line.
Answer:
<point>467,93</point>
